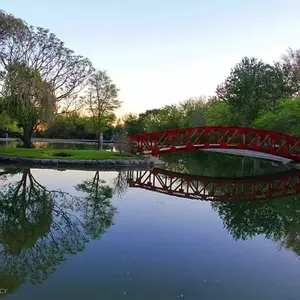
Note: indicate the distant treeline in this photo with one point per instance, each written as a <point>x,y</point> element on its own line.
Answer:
<point>255,94</point>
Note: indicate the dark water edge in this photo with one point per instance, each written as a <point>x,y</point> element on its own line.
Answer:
<point>86,234</point>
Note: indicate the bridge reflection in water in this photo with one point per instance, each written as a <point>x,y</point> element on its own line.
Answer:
<point>217,189</point>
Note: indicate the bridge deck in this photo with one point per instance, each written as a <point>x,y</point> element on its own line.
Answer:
<point>250,153</point>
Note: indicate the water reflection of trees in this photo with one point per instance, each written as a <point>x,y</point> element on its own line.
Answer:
<point>121,184</point>
<point>277,220</point>
<point>96,208</point>
<point>213,164</point>
<point>39,227</point>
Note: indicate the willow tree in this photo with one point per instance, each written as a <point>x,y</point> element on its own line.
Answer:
<point>102,100</point>
<point>58,68</point>
<point>27,99</point>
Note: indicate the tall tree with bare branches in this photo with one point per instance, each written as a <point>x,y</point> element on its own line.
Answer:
<point>10,25</point>
<point>37,49</point>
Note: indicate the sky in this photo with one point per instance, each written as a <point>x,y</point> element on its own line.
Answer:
<point>161,52</point>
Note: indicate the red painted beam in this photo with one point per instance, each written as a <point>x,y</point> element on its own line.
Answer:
<point>216,189</point>
<point>222,137</point>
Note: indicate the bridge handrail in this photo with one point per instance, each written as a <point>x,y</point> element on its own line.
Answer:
<point>204,137</point>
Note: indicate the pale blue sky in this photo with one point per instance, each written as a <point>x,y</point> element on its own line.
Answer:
<point>160,51</point>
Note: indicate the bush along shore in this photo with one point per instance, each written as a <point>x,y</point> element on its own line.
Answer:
<point>75,157</point>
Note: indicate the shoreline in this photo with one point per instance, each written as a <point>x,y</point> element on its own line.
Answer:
<point>62,167</point>
<point>147,161</point>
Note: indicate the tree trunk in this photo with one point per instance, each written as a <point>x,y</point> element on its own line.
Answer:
<point>27,135</point>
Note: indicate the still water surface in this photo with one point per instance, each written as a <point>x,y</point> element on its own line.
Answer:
<point>89,235</point>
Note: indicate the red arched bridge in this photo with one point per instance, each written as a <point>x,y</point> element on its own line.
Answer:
<point>216,189</point>
<point>223,137</point>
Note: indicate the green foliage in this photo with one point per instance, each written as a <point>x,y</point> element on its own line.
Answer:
<point>133,124</point>
<point>218,114</point>
<point>268,121</point>
<point>6,121</point>
<point>253,86</point>
<point>168,117</point>
<point>151,119</point>
<point>284,119</point>
<point>191,112</point>
<point>27,99</point>
<point>71,126</point>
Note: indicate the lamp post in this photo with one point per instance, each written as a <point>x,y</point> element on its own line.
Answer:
<point>6,140</point>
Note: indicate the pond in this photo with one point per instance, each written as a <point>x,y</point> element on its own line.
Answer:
<point>68,234</point>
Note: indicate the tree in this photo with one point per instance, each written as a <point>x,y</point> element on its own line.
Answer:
<point>122,141</point>
<point>5,120</point>
<point>43,55</point>
<point>70,125</point>
<point>167,117</point>
<point>291,67</point>
<point>101,99</point>
<point>27,99</point>
<point>10,25</point>
<point>218,114</point>
<point>133,124</point>
<point>192,112</point>
<point>284,119</point>
<point>150,119</point>
<point>253,86</point>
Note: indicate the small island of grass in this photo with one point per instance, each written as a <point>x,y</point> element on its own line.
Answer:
<point>66,154</point>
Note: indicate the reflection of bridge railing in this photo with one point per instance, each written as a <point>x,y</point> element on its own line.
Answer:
<point>223,137</point>
<point>217,189</point>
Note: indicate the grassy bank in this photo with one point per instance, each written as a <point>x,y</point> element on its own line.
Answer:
<point>65,154</point>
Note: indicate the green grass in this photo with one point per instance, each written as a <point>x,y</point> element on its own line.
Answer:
<point>65,154</point>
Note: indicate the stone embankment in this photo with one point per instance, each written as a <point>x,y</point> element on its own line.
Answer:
<point>147,161</point>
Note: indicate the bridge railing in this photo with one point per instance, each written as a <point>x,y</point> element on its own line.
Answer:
<point>216,189</point>
<point>186,139</point>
